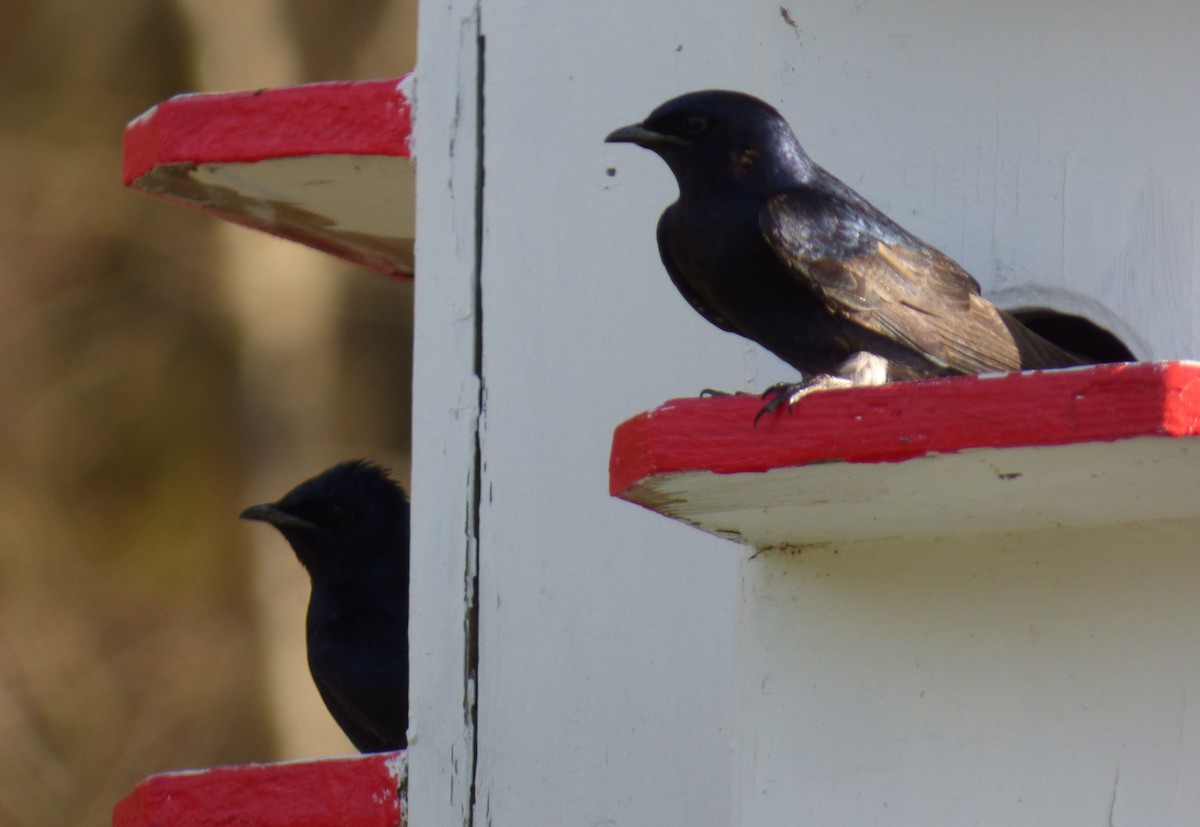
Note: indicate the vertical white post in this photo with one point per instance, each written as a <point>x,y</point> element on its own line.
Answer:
<point>446,406</point>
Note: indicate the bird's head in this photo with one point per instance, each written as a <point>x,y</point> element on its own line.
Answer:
<point>714,138</point>
<point>338,521</point>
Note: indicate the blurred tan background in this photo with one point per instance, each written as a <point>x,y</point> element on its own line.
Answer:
<point>158,372</point>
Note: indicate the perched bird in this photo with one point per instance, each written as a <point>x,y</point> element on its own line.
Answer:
<point>765,243</point>
<point>349,529</point>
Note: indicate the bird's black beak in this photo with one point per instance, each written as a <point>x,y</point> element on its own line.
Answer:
<point>270,513</point>
<point>637,134</point>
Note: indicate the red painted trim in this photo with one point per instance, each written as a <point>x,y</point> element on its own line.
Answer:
<point>901,421</point>
<point>361,790</point>
<point>354,118</point>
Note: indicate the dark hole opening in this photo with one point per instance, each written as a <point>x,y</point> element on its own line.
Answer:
<point>1074,333</point>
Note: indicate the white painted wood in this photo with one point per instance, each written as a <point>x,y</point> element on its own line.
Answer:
<point>623,677</point>
<point>1035,679</point>
<point>445,420</point>
<point>368,195</point>
<point>977,491</point>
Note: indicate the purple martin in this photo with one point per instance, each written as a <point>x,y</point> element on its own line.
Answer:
<point>765,243</point>
<point>349,529</point>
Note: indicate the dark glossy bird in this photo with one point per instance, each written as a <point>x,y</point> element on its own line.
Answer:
<point>765,243</point>
<point>349,529</point>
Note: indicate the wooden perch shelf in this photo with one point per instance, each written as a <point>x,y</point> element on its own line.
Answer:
<point>1016,452</point>
<point>325,164</point>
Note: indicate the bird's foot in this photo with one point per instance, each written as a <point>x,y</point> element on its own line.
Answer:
<point>789,393</point>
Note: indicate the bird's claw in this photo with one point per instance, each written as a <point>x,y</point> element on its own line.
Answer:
<point>789,393</point>
<point>779,395</point>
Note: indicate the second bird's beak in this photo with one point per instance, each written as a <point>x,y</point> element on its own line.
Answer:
<point>635,133</point>
<point>270,513</point>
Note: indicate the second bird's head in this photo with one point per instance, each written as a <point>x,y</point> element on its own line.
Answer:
<point>343,520</point>
<point>715,137</point>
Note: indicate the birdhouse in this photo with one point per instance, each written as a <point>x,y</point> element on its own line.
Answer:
<point>966,600</point>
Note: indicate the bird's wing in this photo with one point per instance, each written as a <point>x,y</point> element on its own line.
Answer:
<point>685,287</point>
<point>896,286</point>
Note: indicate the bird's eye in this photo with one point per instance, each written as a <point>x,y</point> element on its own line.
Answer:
<point>695,124</point>
<point>337,513</point>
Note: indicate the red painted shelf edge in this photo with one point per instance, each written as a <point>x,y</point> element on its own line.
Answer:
<point>901,421</point>
<point>355,118</point>
<point>366,791</point>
